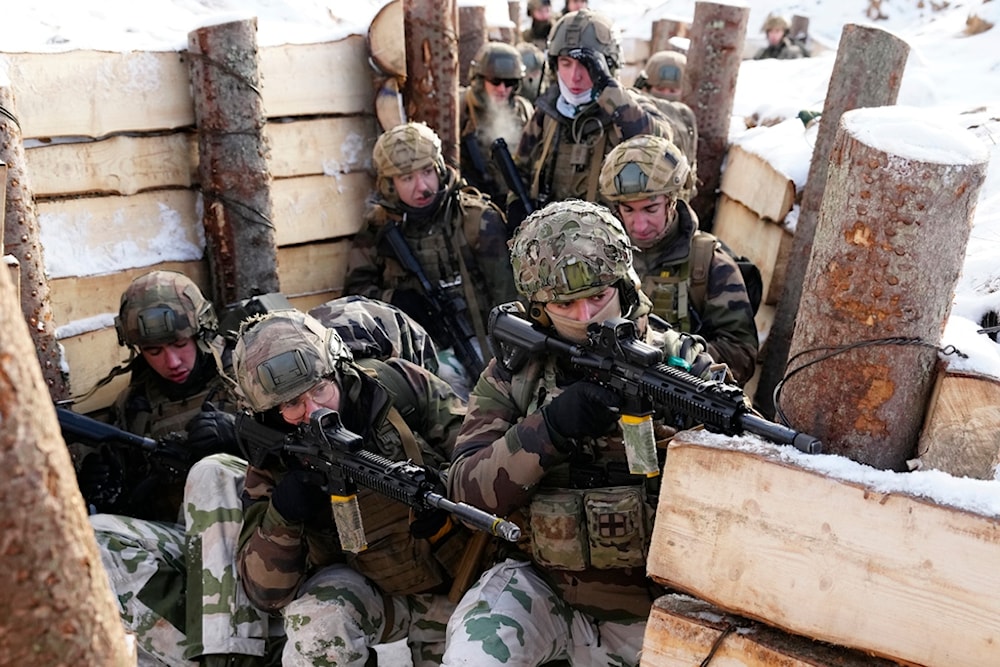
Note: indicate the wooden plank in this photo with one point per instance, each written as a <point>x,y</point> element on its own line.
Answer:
<point>314,208</point>
<point>320,146</point>
<point>309,301</point>
<point>88,93</point>
<point>681,632</point>
<point>325,78</point>
<point>310,269</point>
<point>112,232</point>
<point>118,165</point>
<point>77,298</point>
<point>752,181</point>
<point>961,433</point>
<point>767,244</point>
<point>758,533</point>
<point>89,357</point>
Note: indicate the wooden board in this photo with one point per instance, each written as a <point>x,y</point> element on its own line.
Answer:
<point>112,231</point>
<point>387,40</point>
<point>89,357</point>
<point>312,269</point>
<point>682,631</point>
<point>315,208</point>
<point>961,433</point>
<point>767,244</point>
<point>120,165</point>
<point>389,108</point>
<point>843,562</point>
<point>309,147</point>
<point>752,181</point>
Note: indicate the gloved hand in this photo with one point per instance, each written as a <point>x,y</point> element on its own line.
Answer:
<point>584,408</point>
<point>597,67</point>
<point>100,479</point>
<point>430,522</point>
<point>298,497</point>
<point>211,431</point>
<point>687,351</point>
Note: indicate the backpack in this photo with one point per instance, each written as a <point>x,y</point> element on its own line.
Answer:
<point>702,247</point>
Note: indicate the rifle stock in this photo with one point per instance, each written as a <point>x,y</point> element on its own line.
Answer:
<point>633,369</point>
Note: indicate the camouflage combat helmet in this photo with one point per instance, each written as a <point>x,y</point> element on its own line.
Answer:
<point>664,68</point>
<point>404,149</point>
<point>497,60</point>
<point>775,22</point>
<point>281,355</point>
<point>642,167</point>
<point>161,307</point>
<point>570,250</point>
<point>585,29</point>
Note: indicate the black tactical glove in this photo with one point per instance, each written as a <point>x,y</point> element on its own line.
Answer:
<point>431,522</point>
<point>100,479</point>
<point>298,497</point>
<point>583,409</point>
<point>516,213</point>
<point>211,431</point>
<point>597,67</point>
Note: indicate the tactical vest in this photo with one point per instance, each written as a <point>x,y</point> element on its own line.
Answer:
<point>682,285</point>
<point>576,169</point>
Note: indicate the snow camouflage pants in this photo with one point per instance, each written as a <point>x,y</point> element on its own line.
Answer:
<point>149,563</point>
<point>339,614</point>
<point>499,622</point>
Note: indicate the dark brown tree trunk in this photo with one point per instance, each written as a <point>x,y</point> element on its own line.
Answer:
<point>20,239</point>
<point>232,166</point>
<point>713,63</point>
<point>471,37</point>
<point>663,30</point>
<point>431,91</point>
<point>867,73</point>
<point>888,251</point>
<point>56,605</point>
<point>799,30</point>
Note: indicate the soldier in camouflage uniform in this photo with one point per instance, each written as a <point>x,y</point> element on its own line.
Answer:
<point>661,80</point>
<point>693,283</point>
<point>579,120</point>
<point>534,82</point>
<point>175,577</point>
<point>456,234</point>
<point>492,109</point>
<point>542,445</point>
<point>336,604</point>
<point>779,44</point>
<point>540,13</point>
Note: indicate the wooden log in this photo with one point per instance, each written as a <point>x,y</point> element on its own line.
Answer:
<point>313,269</point>
<point>866,73</point>
<point>387,41</point>
<point>3,195</point>
<point>389,108</point>
<point>854,560</point>
<point>961,431</point>
<point>22,239</point>
<point>314,79</point>
<point>767,244</point>
<point>713,63</point>
<point>799,28</point>
<point>663,30</point>
<point>314,146</point>
<point>514,12</point>
<point>233,170</point>
<point>889,212</point>
<point>431,90</point>
<point>317,208</point>
<point>682,632</point>
<point>472,34</point>
<point>753,182</point>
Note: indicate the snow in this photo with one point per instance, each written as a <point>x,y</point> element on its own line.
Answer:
<point>949,111</point>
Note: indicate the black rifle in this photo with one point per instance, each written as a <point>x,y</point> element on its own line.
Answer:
<point>167,454</point>
<point>616,359</point>
<point>504,162</point>
<point>325,446</point>
<point>482,180</point>
<point>450,311</point>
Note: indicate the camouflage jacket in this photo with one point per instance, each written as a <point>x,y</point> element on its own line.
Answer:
<point>462,221</point>
<point>724,318</point>
<point>560,158</point>
<point>786,49</point>
<point>276,556</point>
<point>505,457</point>
<point>481,122</point>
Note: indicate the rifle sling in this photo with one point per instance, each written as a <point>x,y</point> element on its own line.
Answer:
<point>406,436</point>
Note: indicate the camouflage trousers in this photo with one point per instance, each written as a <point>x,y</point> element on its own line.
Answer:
<point>176,584</point>
<point>512,617</point>
<point>339,615</point>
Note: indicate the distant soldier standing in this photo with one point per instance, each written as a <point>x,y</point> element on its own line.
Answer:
<point>540,13</point>
<point>779,44</point>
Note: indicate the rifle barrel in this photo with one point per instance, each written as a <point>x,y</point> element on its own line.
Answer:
<point>88,429</point>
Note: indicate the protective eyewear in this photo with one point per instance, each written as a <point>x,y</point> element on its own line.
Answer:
<point>510,83</point>
<point>294,410</point>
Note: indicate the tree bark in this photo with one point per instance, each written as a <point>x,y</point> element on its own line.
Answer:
<point>867,73</point>
<point>232,165</point>
<point>663,30</point>
<point>20,239</point>
<point>888,251</point>
<point>431,90</point>
<point>471,37</point>
<point>514,12</point>
<point>56,605</point>
<point>799,30</point>
<point>713,63</point>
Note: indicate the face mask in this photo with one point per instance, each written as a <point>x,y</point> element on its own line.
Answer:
<point>569,104</point>
<point>575,330</point>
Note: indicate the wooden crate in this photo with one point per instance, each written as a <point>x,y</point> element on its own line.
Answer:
<point>767,244</point>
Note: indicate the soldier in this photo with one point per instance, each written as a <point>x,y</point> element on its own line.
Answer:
<point>544,441</point>
<point>492,109</point>
<point>574,5</point>
<point>579,120</point>
<point>534,82</point>
<point>693,283</point>
<point>540,13</point>
<point>457,236</point>
<point>337,604</point>
<point>779,44</point>
<point>662,75</point>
